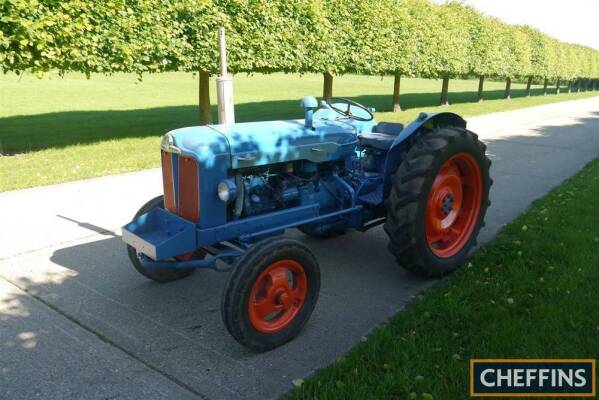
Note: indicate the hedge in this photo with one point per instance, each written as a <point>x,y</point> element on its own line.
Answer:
<point>374,37</point>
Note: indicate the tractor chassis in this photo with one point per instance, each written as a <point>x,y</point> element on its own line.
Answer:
<point>225,243</point>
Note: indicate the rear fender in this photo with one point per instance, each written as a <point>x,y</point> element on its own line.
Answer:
<point>424,120</point>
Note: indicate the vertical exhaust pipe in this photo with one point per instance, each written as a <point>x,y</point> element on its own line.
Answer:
<point>224,86</point>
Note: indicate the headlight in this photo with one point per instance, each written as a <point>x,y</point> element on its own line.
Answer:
<point>227,190</point>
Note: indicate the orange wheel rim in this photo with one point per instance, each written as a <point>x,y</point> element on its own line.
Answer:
<point>277,296</point>
<point>453,205</point>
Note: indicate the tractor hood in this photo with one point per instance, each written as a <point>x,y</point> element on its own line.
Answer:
<point>261,143</point>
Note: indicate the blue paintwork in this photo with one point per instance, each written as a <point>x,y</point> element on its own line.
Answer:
<point>269,142</point>
<point>169,235</point>
<point>330,198</point>
<point>162,234</point>
<point>228,256</point>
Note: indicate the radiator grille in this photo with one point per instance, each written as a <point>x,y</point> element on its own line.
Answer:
<point>189,201</point>
<point>168,182</point>
<point>181,195</point>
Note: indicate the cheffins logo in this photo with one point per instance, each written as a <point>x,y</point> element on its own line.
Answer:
<point>534,377</point>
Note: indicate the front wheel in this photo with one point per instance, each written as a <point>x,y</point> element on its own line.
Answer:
<point>438,200</point>
<point>270,293</point>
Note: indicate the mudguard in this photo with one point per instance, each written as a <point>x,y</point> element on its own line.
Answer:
<point>426,120</point>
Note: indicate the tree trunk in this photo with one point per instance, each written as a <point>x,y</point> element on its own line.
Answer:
<point>528,86</point>
<point>396,83</point>
<point>578,81</point>
<point>204,93</point>
<point>481,82</point>
<point>557,87</point>
<point>570,86</point>
<point>545,87</point>
<point>444,90</point>
<point>508,89</point>
<point>327,89</point>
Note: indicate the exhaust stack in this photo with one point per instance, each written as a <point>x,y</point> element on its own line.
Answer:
<point>224,86</point>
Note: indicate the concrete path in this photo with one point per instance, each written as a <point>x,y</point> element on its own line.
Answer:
<point>77,321</point>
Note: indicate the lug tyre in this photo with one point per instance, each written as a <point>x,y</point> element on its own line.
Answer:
<point>158,275</point>
<point>437,202</point>
<point>270,293</point>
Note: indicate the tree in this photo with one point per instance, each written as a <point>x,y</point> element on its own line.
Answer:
<point>538,55</point>
<point>85,36</point>
<point>409,40</point>
<point>483,50</point>
<point>198,23</point>
<point>449,52</point>
<point>514,55</point>
<point>333,37</point>
<point>353,37</point>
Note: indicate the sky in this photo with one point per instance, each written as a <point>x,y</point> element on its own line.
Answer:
<point>573,21</point>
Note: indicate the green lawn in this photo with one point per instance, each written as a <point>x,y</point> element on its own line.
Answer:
<point>60,129</point>
<point>532,293</point>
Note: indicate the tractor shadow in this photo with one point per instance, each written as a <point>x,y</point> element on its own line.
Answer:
<point>178,325</point>
<point>61,129</point>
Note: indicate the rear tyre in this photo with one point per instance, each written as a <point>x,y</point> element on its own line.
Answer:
<point>438,199</point>
<point>158,275</point>
<point>270,293</point>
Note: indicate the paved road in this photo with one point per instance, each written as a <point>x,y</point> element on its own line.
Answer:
<point>77,321</point>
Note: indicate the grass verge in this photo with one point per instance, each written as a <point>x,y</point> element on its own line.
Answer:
<point>63,129</point>
<point>531,293</point>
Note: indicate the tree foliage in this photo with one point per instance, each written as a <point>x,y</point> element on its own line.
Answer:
<point>407,37</point>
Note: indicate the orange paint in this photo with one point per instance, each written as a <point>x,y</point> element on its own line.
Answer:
<point>277,296</point>
<point>453,205</point>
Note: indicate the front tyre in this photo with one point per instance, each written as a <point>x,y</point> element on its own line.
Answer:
<point>270,293</point>
<point>438,199</point>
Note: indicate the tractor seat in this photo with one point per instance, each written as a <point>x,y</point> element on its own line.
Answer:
<point>382,136</point>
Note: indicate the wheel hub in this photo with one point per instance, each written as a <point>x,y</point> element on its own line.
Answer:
<point>453,206</point>
<point>447,204</point>
<point>284,299</point>
<point>277,296</point>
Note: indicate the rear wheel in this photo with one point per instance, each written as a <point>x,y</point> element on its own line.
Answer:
<point>438,200</point>
<point>271,293</point>
<point>159,275</point>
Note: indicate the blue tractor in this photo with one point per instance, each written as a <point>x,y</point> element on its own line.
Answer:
<point>231,191</point>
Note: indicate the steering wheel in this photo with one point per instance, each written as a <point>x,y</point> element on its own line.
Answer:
<point>347,112</point>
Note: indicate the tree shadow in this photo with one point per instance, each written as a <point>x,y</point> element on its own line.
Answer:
<point>61,129</point>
